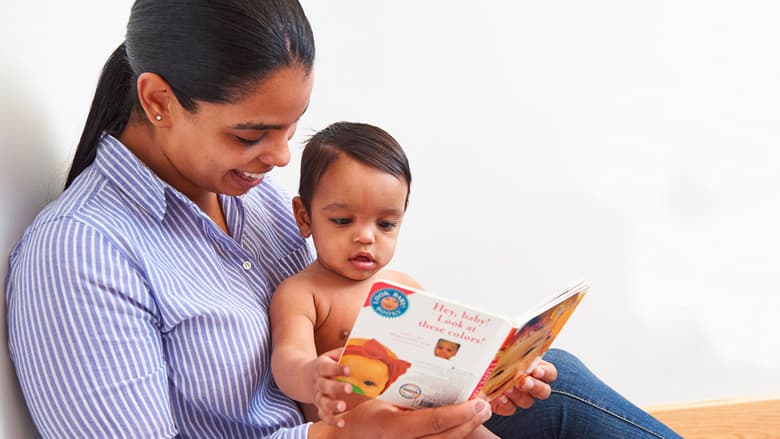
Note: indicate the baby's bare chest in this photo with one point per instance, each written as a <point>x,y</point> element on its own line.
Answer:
<point>334,324</point>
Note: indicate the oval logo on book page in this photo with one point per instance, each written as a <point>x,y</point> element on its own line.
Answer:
<point>410,391</point>
<point>389,302</point>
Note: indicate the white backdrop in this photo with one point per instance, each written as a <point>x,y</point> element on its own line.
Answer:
<point>633,144</point>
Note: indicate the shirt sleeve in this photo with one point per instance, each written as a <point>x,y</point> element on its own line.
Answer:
<point>297,432</point>
<point>83,336</point>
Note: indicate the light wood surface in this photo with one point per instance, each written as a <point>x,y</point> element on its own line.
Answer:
<point>749,418</point>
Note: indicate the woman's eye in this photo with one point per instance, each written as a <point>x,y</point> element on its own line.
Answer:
<point>340,221</point>
<point>249,142</point>
<point>387,225</point>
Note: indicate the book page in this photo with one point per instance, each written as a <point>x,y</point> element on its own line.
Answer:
<point>417,350</point>
<point>522,351</point>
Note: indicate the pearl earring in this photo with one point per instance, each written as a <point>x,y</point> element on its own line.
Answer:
<point>158,118</point>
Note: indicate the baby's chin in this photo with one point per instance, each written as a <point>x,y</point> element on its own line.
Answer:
<point>353,275</point>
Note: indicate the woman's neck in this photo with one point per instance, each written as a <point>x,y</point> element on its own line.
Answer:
<point>141,140</point>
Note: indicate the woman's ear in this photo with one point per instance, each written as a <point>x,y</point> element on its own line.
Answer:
<point>301,217</point>
<point>156,98</point>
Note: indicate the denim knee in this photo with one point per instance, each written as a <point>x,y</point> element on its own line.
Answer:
<point>580,406</point>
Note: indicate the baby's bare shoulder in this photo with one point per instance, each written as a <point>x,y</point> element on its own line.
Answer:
<point>295,285</point>
<point>295,295</point>
<point>400,277</point>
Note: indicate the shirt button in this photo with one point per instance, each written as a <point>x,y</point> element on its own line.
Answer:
<point>247,265</point>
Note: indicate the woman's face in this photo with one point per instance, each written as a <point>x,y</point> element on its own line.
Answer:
<point>228,148</point>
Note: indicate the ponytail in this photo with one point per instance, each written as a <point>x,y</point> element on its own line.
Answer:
<point>109,112</point>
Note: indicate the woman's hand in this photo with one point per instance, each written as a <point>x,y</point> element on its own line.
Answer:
<point>526,391</point>
<point>378,419</point>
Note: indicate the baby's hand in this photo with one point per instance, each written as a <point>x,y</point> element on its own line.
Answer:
<point>329,393</point>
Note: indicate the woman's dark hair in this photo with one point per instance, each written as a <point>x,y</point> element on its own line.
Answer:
<point>206,50</point>
<point>369,145</point>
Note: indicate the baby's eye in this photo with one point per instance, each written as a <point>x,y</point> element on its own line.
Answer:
<point>369,383</point>
<point>341,221</point>
<point>387,225</point>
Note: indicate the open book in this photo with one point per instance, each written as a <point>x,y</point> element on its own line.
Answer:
<point>415,349</point>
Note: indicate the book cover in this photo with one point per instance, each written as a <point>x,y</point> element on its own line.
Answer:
<point>415,349</point>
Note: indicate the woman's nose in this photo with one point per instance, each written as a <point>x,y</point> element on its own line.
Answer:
<point>276,151</point>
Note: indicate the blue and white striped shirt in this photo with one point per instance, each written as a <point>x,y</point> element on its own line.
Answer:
<point>130,313</point>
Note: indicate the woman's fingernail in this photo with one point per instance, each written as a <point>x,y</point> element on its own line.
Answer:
<point>529,384</point>
<point>539,372</point>
<point>482,410</point>
<point>341,406</point>
<point>340,423</point>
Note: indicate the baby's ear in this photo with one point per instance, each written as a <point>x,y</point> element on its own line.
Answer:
<point>301,217</point>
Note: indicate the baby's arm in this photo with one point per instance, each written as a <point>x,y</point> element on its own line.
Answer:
<point>299,372</point>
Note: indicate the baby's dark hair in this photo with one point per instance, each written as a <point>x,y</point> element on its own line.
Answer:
<point>369,145</point>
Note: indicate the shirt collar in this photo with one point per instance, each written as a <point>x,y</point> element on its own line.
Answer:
<point>130,175</point>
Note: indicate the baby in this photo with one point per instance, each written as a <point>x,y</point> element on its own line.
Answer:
<point>445,348</point>
<point>354,190</point>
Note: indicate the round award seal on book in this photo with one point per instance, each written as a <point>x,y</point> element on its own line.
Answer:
<point>389,302</point>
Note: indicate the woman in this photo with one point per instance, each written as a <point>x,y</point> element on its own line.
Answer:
<point>137,301</point>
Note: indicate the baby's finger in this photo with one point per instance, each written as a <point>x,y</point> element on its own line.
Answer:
<point>328,408</point>
<point>331,369</point>
<point>334,354</point>
<point>330,418</point>
<point>333,387</point>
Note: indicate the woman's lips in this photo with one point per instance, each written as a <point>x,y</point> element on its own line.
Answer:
<point>252,176</point>
<point>246,180</point>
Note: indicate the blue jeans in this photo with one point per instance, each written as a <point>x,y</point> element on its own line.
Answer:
<point>581,406</point>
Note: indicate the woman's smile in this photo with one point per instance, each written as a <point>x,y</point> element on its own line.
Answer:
<point>253,176</point>
<point>246,180</point>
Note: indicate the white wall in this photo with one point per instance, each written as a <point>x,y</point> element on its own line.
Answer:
<point>631,144</point>
<point>51,56</point>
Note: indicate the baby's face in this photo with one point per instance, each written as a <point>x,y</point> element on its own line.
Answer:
<point>445,349</point>
<point>367,376</point>
<point>356,214</point>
